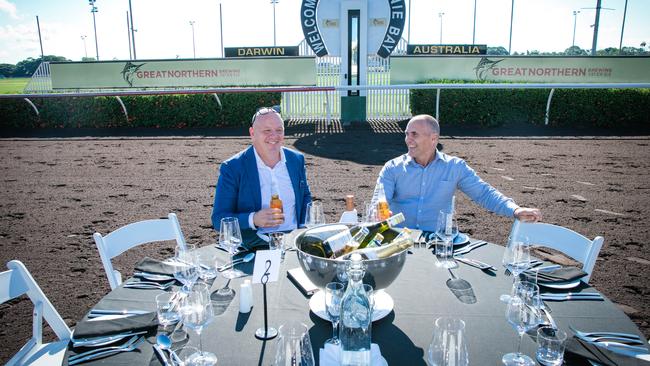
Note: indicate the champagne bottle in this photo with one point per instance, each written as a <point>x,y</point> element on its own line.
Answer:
<point>383,211</point>
<point>402,242</point>
<point>312,240</point>
<point>344,242</point>
<point>379,228</point>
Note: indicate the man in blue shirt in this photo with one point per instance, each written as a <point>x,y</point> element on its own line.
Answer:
<point>422,182</point>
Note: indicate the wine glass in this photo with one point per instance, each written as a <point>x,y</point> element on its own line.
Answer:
<point>197,313</point>
<point>448,346</point>
<point>517,260</point>
<point>333,297</point>
<point>446,230</point>
<point>314,215</point>
<point>522,316</point>
<point>230,237</point>
<point>186,266</point>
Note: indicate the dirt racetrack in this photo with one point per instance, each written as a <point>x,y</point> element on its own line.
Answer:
<point>56,192</point>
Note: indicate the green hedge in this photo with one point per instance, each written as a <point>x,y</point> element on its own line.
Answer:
<point>157,111</point>
<point>569,107</point>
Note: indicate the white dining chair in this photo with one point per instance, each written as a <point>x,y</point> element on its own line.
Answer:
<point>18,281</point>
<point>569,242</point>
<point>134,234</point>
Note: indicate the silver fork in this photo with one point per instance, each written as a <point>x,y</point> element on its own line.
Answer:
<point>133,340</point>
<point>107,353</point>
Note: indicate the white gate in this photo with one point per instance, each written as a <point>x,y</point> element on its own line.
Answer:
<point>386,104</point>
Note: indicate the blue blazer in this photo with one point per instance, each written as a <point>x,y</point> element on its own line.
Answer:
<point>238,190</point>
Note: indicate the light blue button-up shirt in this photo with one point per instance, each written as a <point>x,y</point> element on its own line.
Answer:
<point>420,192</point>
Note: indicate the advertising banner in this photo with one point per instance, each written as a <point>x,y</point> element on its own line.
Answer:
<point>184,73</point>
<point>520,69</point>
<point>260,51</point>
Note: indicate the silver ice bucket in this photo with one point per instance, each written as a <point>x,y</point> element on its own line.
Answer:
<point>380,273</point>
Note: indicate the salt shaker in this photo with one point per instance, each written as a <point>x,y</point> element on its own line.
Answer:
<point>245,297</point>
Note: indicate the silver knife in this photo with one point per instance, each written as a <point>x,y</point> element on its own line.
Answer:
<point>549,317</point>
<point>475,263</point>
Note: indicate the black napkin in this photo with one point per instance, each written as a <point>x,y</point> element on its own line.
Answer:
<point>578,350</point>
<point>133,323</point>
<point>564,274</point>
<point>151,265</point>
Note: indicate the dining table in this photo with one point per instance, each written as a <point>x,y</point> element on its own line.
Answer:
<point>420,294</point>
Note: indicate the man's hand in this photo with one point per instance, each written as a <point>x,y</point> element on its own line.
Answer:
<point>528,214</point>
<point>268,217</point>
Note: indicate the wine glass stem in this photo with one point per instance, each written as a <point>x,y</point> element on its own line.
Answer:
<point>335,329</point>
<point>198,333</point>
<point>519,343</point>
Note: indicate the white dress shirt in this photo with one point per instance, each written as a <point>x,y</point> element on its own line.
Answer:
<point>276,180</point>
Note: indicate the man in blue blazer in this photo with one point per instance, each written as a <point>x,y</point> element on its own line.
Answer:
<point>248,179</point>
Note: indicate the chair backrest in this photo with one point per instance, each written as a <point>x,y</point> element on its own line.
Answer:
<point>560,238</point>
<point>18,281</point>
<point>131,235</point>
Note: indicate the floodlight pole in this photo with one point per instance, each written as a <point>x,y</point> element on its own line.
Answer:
<point>93,10</point>
<point>474,28</point>
<point>512,13</point>
<point>128,34</point>
<point>132,31</point>
<point>221,29</point>
<point>193,43</point>
<point>595,39</point>
<point>274,2</point>
<point>440,16</point>
<point>575,18</point>
<point>83,38</point>
<point>409,30</point>
<point>620,44</point>
<point>40,40</point>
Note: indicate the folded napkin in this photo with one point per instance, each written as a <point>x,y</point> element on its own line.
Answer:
<point>133,323</point>
<point>151,265</point>
<point>577,350</point>
<point>564,274</point>
<point>330,355</point>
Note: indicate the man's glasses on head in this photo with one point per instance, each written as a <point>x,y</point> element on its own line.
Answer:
<point>262,111</point>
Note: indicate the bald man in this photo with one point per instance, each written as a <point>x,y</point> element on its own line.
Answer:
<point>248,179</point>
<point>423,181</point>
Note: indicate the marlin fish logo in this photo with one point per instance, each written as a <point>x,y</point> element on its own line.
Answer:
<point>484,66</point>
<point>129,70</point>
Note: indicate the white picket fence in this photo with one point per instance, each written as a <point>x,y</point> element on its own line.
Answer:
<point>386,104</point>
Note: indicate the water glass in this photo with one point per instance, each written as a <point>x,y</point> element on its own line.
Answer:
<point>207,265</point>
<point>187,267</point>
<point>370,214</point>
<point>166,308</point>
<point>550,346</point>
<point>333,296</point>
<point>276,242</point>
<point>314,215</point>
<point>448,346</point>
<point>294,346</point>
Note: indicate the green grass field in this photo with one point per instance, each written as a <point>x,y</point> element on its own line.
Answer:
<point>13,85</point>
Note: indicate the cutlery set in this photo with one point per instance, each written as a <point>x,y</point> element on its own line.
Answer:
<point>624,343</point>
<point>94,313</point>
<point>130,345</point>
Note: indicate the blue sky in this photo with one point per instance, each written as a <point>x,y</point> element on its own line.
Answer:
<point>164,30</point>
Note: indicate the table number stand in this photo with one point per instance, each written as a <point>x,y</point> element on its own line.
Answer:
<point>266,333</point>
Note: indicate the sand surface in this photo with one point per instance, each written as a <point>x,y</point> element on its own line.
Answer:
<point>57,192</point>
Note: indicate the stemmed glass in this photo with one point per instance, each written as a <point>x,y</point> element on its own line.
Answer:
<point>230,237</point>
<point>333,297</point>
<point>197,314</point>
<point>517,260</point>
<point>446,230</point>
<point>314,215</point>
<point>522,316</point>
<point>186,266</point>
